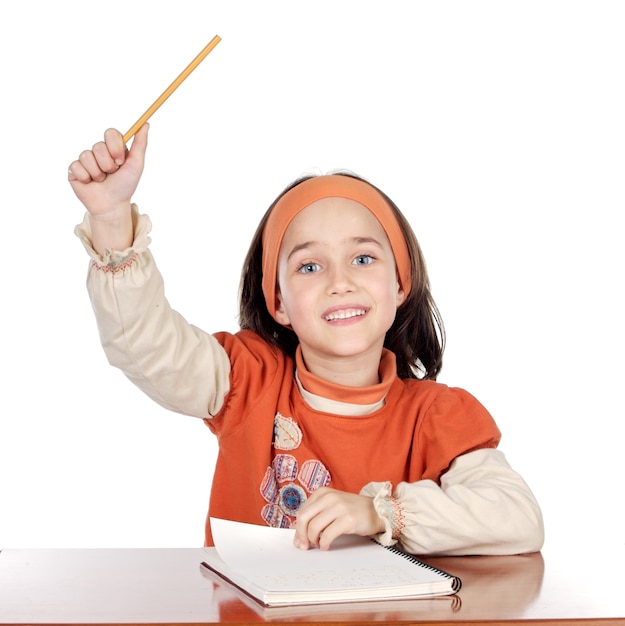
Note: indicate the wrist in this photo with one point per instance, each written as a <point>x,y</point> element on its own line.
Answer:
<point>140,235</point>
<point>112,230</point>
<point>378,523</point>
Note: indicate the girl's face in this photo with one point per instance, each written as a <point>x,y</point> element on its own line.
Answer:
<point>337,281</point>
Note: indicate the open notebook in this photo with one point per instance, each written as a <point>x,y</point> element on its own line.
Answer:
<point>263,562</point>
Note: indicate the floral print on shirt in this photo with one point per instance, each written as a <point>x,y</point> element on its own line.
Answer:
<point>285,485</point>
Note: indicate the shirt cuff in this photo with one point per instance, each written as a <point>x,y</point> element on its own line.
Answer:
<point>114,259</point>
<point>389,509</point>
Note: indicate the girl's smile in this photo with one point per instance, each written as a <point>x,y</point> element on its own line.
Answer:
<point>344,314</point>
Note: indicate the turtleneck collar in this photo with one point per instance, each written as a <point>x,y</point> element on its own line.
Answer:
<point>372,395</point>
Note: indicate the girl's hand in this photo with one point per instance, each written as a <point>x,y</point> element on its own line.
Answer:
<point>329,513</point>
<point>106,177</point>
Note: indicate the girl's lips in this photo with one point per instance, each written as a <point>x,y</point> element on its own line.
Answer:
<point>344,313</point>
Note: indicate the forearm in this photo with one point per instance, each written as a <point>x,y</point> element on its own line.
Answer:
<point>178,365</point>
<point>481,507</point>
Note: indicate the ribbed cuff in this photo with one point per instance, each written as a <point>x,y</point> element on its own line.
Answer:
<point>116,260</point>
<point>388,507</point>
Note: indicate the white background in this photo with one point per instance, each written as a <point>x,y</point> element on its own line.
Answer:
<point>497,127</point>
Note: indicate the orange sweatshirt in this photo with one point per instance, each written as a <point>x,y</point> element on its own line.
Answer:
<point>275,450</point>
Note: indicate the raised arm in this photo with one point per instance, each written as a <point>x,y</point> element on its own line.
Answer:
<point>178,365</point>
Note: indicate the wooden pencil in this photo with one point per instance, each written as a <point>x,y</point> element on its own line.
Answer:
<point>175,84</point>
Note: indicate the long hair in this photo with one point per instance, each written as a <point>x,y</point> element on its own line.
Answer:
<point>417,335</point>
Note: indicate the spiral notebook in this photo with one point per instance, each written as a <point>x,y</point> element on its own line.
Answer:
<point>262,562</point>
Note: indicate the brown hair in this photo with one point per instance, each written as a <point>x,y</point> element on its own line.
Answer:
<point>417,336</point>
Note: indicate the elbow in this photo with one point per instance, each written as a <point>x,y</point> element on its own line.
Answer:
<point>529,535</point>
<point>515,528</point>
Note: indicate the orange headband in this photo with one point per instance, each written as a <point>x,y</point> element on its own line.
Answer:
<point>317,188</point>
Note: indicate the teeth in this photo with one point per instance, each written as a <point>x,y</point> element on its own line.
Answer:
<point>343,315</point>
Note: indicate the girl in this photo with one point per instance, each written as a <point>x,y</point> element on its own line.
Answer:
<point>325,404</point>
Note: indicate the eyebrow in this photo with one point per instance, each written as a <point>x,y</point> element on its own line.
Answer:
<point>355,240</point>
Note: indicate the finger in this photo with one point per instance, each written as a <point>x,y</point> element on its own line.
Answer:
<point>329,534</point>
<point>319,532</point>
<point>314,524</point>
<point>114,142</point>
<point>76,172</point>
<point>304,516</point>
<point>89,163</point>
<point>308,530</point>
<point>300,540</point>
<point>309,522</point>
<point>104,158</point>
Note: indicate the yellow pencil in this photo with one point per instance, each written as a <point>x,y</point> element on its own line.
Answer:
<point>183,75</point>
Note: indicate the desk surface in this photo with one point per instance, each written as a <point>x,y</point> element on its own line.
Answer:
<point>168,586</point>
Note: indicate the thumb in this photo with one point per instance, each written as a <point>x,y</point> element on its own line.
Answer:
<point>139,145</point>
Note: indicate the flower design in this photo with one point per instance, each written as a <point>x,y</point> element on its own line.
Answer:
<point>285,486</point>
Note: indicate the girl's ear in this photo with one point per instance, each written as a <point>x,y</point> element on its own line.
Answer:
<point>281,314</point>
<point>401,295</point>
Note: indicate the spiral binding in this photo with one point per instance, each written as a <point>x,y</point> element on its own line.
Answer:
<point>456,582</point>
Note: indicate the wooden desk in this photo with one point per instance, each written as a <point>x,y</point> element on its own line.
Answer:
<point>168,586</point>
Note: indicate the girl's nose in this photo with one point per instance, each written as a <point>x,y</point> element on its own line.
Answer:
<point>340,280</point>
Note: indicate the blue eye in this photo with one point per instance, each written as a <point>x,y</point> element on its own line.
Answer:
<point>363,259</point>
<point>308,268</point>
